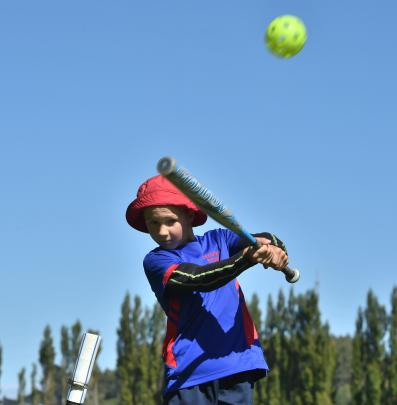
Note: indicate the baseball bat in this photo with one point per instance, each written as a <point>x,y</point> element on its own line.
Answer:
<point>209,203</point>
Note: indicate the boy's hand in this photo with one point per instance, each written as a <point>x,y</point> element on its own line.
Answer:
<point>267,254</point>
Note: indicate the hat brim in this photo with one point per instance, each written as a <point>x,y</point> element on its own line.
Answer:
<point>135,211</point>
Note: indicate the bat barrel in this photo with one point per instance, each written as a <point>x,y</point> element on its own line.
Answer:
<point>166,165</point>
<point>209,203</point>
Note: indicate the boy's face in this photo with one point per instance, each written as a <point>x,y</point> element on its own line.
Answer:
<point>169,226</point>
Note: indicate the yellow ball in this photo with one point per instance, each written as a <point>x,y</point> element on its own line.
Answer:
<point>285,36</point>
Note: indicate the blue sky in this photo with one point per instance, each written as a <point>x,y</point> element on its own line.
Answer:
<point>93,93</point>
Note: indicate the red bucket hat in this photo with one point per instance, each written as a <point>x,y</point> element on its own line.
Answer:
<point>159,191</point>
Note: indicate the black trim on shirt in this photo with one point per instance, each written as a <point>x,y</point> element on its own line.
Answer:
<point>189,277</point>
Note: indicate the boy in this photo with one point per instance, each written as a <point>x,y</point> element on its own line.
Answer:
<point>211,349</point>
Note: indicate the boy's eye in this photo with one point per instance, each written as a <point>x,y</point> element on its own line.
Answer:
<point>171,221</point>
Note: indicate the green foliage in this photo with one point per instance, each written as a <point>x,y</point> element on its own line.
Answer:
<point>343,371</point>
<point>343,395</point>
<point>1,364</point>
<point>21,387</point>
<point>66,361</point>
<point>358,361</point>
<point>76,335</point>
<point>300,352</point>
<point>125,350</point>
<point>308,366</point>
<point>107,385</point>
<point>369,379</point>
<point>47,358</point>
<point>139,368</point>
<point>391,360</point>
<point>93,392</point>
<point>35,394</point>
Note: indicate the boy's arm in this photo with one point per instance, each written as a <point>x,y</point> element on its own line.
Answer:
<point>274,241</point>
<point>187,277</point>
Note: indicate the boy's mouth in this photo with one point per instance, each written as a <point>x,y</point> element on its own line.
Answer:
<point>165,242</point>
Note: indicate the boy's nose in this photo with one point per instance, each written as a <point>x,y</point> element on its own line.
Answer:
<point>163,231</point>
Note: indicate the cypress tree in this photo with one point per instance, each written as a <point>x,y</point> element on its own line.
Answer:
<point>392,363</point>
<point>256,315</point>
<point>156,329</point>
<point>21,387</point>
<point>283,363</point>
<point>93,393</point>
<point>139,354</point>
<point>35,396</point>
<point>1,365</point>
<point>108,388</point>
<point>304,347</point>
<point>342,375</point>
<point>255,312</point>
<point>272,395</point>
<point>142,363</point>
<point>314,354</point>
<point>47,357</point>
<point>291,348</point>
<point>65,369</point>
<point>125,360</point>
<point>376,321</point>
<point>358,361</point>
<point>75,341</point>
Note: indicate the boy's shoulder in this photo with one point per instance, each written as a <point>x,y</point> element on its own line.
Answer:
<point>159,252</point>
<point>213,234</point>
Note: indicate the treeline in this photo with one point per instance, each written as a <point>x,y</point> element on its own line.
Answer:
<point>308,365</point>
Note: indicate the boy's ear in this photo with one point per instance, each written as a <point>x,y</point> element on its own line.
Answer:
<point>190,214</point>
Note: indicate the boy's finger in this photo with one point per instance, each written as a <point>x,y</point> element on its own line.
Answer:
<point>263,241</point>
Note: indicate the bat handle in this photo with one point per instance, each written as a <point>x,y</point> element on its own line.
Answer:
<point>291,275</point>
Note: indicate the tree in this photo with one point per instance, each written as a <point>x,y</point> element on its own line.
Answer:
<point>285,333</point>
<point>256,315</point>
<point>358,361</point>
<point>125,360</point>
<point>66,360</point>
<point>76,336</point>
<point>312,354</point>
<point>107,386</point>
<point>376,322</point>
<point>1,365</point>
<point>35,396</point>
<point>368,382</point>
<point>255,312</point>
<point>343,371</point>
<point>391,359</point>
<point>21,387</point>
<point>139,354</point>
<point>272,342</point>
<point>93,394</point>
<point>155,339</point>
<point>47,358</point>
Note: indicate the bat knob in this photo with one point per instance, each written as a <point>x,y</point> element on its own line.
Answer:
<point>166,165</point>
<point>292,275</point>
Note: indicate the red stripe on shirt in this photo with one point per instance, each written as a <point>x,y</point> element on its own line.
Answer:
<point>171,334</point>
<point>249,327</point>
<point>168,273</point>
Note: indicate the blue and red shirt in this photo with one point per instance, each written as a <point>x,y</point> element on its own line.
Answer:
<point>210,335</point>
